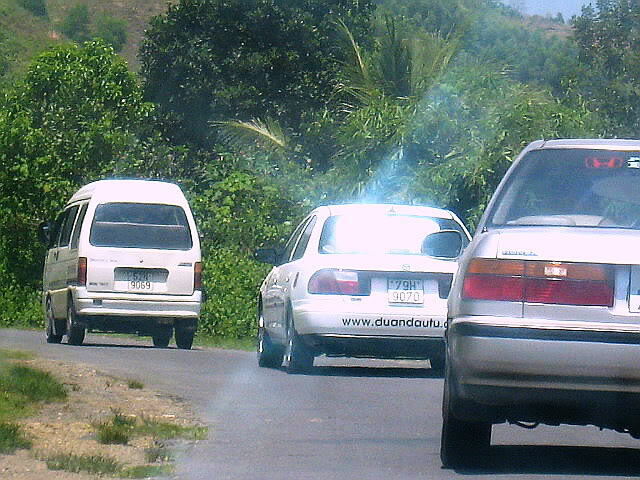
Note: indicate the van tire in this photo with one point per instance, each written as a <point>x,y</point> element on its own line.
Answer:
<point>162,336</point>
<point>50,329</point>
<point>184,333</point>
<point>75,330</point>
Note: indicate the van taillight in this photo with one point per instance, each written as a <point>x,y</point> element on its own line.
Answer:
<point>197,276</point>
<point>331,281</point>
<point>539,282</point>
<point>82,271</point>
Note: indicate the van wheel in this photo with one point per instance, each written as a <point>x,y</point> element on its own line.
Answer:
<point>463,443</point>
<point>162,336</point>
<point>184,332</point>
<point>50,334</point>
<point>75,330</point>
<point>269,355</point>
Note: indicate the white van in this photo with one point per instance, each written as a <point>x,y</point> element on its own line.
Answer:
<point>123,256</point>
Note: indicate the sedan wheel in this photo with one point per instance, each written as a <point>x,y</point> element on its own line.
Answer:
<point>75,330</point>
<point>463,443</point>
<point>298,358</point>
<point>50,334</point>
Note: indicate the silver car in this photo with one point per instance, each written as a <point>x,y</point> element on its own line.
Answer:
<point>360,280</point>
<point>544,315</point>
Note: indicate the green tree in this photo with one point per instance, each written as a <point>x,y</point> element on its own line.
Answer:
<point>216,60</point>
<point>77,115</point>
<point>608,38</point>
<point>75,24</point>
<point>37,7</point>
<point>112,30</point>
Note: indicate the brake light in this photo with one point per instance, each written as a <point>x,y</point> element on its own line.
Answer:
<point>338,282</point>
<point>539,282</point>
<point>82,271</point>
<point>197,276</point>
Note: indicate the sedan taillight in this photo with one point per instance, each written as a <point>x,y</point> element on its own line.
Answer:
<point>539,282</point>
<point>338,282</point>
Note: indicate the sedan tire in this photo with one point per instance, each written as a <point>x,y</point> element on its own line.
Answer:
<point>463,443</point>
<point>269,355</point>
<point>298,357</point>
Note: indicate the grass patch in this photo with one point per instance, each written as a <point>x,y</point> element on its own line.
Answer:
<point>117,431</point>
<point>34,385</point>
<point>120,429</point>
<point>145,471</point>
<point>245,343</point>
<point>22,387</point>
<point>6,354</point>
<point>96,464</point>
<point>135,384</point>
<point>168,431</point>
<point>12,438</point>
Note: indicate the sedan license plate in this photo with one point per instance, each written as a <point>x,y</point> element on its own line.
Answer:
<point>139,280</point>
<point>405,291</point>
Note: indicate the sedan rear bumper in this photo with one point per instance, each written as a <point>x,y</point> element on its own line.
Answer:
<point>495,364</point>
<point>376,347</point>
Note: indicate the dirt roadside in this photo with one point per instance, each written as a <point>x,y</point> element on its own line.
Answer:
<point>66,427</point>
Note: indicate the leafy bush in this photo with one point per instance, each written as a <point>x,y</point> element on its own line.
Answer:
<point>37,7</point>
<point>20,307</point>
<point>231,280</point>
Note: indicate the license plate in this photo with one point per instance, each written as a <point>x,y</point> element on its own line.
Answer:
<point>139,280</point>
<point>405,291</point>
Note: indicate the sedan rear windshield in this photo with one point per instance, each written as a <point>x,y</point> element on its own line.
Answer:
<point>366,234</point>
<point>574,188</point>
<point>140,225</point>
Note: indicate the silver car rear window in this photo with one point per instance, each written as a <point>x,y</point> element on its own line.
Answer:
<point>367,234</point>
<point>573,188</point>
<point>140,225</point>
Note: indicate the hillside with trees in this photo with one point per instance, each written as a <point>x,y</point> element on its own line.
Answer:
<point>263,109</point>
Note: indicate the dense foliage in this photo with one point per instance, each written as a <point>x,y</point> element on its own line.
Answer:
<point>262,109</point>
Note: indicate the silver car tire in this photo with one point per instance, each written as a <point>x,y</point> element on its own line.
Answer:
<point>463,443</point>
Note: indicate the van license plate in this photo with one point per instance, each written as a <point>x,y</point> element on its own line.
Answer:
<point>405,291</point>
<point>139,280</point>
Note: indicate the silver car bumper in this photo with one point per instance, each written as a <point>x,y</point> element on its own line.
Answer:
<point>495,362</point>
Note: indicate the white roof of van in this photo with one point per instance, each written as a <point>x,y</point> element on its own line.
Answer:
<point>147,191</point>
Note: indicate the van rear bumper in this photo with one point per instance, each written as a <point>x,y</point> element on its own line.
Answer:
<point>160,306</point>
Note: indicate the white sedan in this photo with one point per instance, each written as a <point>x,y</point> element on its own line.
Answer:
<point>360,280</point>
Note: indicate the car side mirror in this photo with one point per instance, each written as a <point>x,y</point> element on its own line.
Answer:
<point>270,256</point>
<point>443,244</point>
<point>44,233</point>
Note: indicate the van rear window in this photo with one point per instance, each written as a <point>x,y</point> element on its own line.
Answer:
<point>140,225</point>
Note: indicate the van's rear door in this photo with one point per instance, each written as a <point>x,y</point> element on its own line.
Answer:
<point>141,248</point>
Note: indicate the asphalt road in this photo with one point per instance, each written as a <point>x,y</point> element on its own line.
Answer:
<point>355,420</point>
